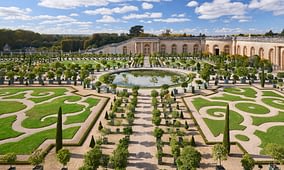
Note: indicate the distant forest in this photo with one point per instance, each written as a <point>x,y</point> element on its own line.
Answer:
<point>21,39</point>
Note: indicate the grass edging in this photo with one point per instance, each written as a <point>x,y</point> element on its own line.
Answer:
<point>213,143</point>
<point>83,138</point>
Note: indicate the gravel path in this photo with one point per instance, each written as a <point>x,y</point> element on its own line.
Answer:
<point>253,145</point>
<point>142,146</point>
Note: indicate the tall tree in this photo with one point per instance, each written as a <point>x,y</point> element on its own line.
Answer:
<point>59,130</point>
<point>262,78</point>
<point>226,136</point>
<point>136,30</point>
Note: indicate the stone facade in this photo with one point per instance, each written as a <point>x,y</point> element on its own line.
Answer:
<point>267,48</point>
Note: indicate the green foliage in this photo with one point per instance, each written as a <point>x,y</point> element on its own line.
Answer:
<point>262,77</point>
<point>59,141</point>
<point>92,142</point>
<point>158,132</point>
<point>120,154</point>
<point>175,148</point>
<point>154,93</point>
<point>136,31</point>
<point>10,158</point>
<point>21,38</point>
<point>219,153</point>
<point>226,134</point>
<point>92,158</point>
<point>63,156</point>
<point>192,141</point>
<point>189,159</point>
<point>36,158</point>
<point>100,126</point>
<point>276,151</point>
<point>247,162</point>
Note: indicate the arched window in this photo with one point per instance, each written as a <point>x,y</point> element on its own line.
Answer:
<point>227,49</point>
<point>245,51</point>
<point>252,51</point>
<point>184,49</point>
<point>238,50</point>
<point>261,53</point>
<point>195,48</point>
<point>271,55</point>
<point>163,49</point>
<point>124,50</point>
<point>174,49</point>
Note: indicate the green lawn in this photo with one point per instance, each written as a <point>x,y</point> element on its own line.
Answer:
<point>260,120</point>
<point>83,116</point>
<point>228,97</point>
<point>37,92</point>
<point>217,126</point>
<point>11,107</point>
<point>41,110</point>
<point>242,137</point>
<point>252,108</point>
<point>273,135</point>
<point>32,142</point>
<point>17,96</point>
<point>212,111</point>
<point>248,92</point>
<point>271,94</point>
<point>200,102</point>
<point>40,91</point>
<point>6,128</point>
<point>269,101</point>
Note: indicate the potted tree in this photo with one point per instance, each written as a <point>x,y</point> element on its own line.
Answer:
<point>36,159</point>
<point>63,156</point>
<point>50,76</point>
<point>10,158</point>
<point>2,75</point>
<point>219,153</point>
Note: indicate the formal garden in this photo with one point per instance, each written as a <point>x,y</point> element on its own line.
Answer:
<point>155,111</point>
<point>29,115</point>
<point>256,116</point>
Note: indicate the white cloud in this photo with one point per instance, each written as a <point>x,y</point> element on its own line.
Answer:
<point>155,0</point>
<point>15,13</point>
<point>108,11</point>
<point>219,8</point>
<point>228,30</point>
<point>172,20</point>
<point>275,6</point>
<point>107,19</point>
<point>55,19</point>
<point>146,22</point>
<point>67,4</point>
<point>192,4</point>
<point>74,15</point>
<point>143,16</point>
<point>179,15</point>
<point>146,5</point>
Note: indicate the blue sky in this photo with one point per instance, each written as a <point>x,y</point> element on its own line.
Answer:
<point>211,17</point>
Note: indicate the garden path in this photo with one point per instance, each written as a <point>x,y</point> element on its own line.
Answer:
<point>253,145</point>
<point>142,146</point>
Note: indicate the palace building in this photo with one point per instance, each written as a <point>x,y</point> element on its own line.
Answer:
<point>270,48</point>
